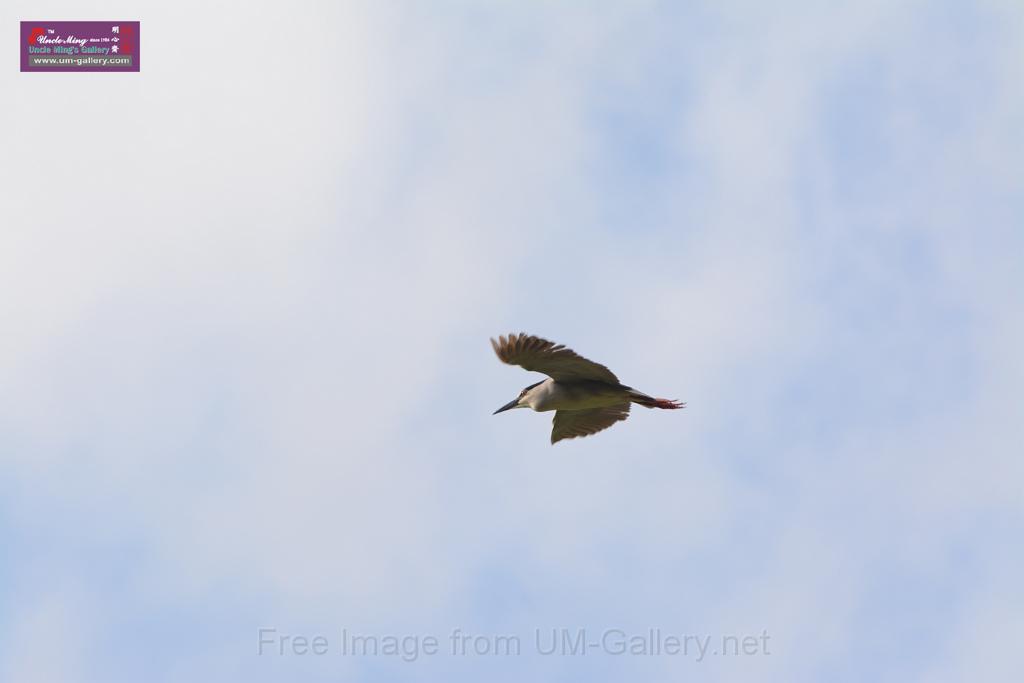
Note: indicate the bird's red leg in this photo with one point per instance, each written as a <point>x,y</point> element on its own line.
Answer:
<point>668,404</point>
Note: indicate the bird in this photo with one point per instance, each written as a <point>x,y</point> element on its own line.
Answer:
<point>586,396</point>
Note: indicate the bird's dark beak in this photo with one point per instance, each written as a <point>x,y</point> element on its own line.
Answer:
<point>508,406</point>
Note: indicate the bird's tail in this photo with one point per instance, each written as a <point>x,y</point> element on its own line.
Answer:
<point>651,402</point>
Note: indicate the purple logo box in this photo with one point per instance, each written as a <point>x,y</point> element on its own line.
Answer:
<point>79,46</point>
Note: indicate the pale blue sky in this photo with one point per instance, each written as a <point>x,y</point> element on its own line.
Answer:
<point>248,383</point>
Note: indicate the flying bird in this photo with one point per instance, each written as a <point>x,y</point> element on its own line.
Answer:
<point>586,396</point>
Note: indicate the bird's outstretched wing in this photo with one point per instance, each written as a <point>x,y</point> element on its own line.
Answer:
<point>568,424</point>
<point>554,360</point>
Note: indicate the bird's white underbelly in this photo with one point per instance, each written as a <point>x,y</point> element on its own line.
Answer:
<point>554,396</point>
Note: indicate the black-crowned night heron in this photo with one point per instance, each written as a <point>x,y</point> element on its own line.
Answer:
<point>586,396</point>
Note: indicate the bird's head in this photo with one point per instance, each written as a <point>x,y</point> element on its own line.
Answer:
<point>519,401</point>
